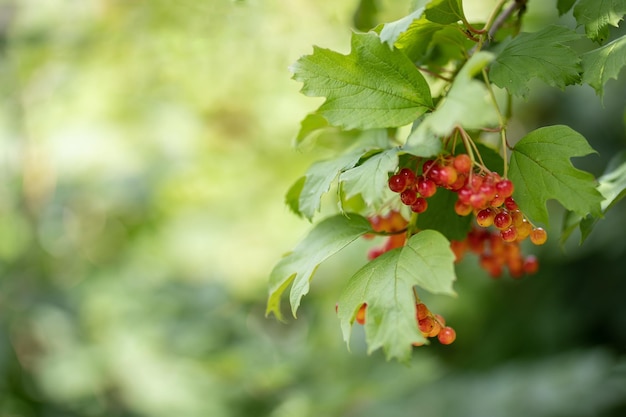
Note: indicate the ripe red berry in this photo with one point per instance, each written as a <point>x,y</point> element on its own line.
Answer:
<point>505,188</point>
<point>447,175</point>
<point>496,201</point>
<point>531,264</point>
<point>421,311</point>
<point>426,187</point>
<point>420,205</point>
<point>510,204</point>
<point>408,196</point>
<point>408,175</point>
<point>485,217</point>
<point>397,183</point>
<point>461,208</point>
<point>462,163</point>
<point>509,234</point>
<point>502,220</point>
<point>446,336</point>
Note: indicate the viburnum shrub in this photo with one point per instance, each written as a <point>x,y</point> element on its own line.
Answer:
<point>420,109</point>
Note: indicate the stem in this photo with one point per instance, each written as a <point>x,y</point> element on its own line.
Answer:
<point>411,228</point>
<point>417,297</point>
<point>497,24</point>
<point>501,120</point>
<point>434,74</point>
<point>490,23</point>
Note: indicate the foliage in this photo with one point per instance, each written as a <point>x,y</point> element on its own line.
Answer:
<point>144,159</point>
<point>437,74</point>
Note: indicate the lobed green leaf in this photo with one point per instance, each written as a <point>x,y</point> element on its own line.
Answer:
<point>612,186</point>
<point>304,197</point>
<point>324,240</point>
<point>604,63</point>
<point>386,285</point>
<point>564,6</point>
<point>375,86</point>
<point>598,15</point>
<point>467,104</point>
<point>369,179</point>
<point>542,55</point>
<point>541,170</point>
<point>445,11</point>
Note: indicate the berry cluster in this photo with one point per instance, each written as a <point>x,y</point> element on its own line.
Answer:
<point>394,224</point>
<point>433,325</point>
<point>430,325</point>
<point>480,191</point>
<point>495,254</point>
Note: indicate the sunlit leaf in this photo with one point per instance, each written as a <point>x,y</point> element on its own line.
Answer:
<point>375,86</point>
<point>445,11</point>
<point>317,181</point>
<point>369,179</point>
<point>324,240</point>
<point>386,285</point>
<point>467,104</point>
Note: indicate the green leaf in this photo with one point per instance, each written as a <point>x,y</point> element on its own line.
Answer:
<point>390,32</point>
<point>364,17</point>
<point>311,124</point>
<point>597,15</point>
<point>415,41</point>
<point>612,186</point>
<point>492,159</point>
<point>564,5</point>
<point>441,217</point>
<point>604,63</point>
<point>541,170</point>
<point>540,55</point>
<point>327,238</point>
<point>318,180</point>
<point>445,11</point>
<point>369,179</point>
<point>292,197</point>
<point>375,86</point>
<point>467,104</point>
<point>386,285</point>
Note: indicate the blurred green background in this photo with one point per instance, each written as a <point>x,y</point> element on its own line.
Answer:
<point>145,151</point>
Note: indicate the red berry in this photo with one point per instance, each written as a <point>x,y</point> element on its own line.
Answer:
<point>408,196</point>
<point>462,209</point>
<point>420,205</point>
<point>447,175</point>
<point>478,201</point>
<point>446,336</point>
<point>496,201</point>
<point>531,264</point>
<point>505,188</point>
<point>421,311</point>
<point>502,220</point>
<point>462,163</point>
<point>426,325</point>
<point>485,217</point>
<point>397,183</point>
<point>510,204</point>
<point>408,175</point>
<point>509,234</point>
<point>426,187</point>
